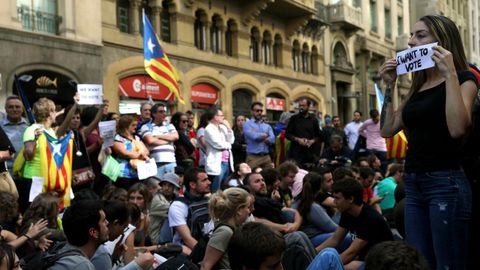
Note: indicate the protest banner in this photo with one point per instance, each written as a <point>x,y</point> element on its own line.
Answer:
<point>90,94</point>
<point>415,59</point>
<point>107,131</point>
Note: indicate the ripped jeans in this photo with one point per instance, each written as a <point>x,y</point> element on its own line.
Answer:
<point>437,211</point>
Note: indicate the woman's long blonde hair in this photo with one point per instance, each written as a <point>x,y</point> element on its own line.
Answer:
<point>223,205</point>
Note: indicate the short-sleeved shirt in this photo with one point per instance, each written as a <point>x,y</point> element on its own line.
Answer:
<point>126,171</point>
<point>178,215</point>
<point>369,226</point>
<point>161,153</point>
<point>14,132</point>
<point>32,167</point>
<point>386,189</point>
<point>219,240</point>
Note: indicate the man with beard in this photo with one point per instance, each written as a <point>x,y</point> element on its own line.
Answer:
<point>304,134</point>
<point>86,228</point>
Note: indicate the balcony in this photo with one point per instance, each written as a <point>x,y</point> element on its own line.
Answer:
<point>318,23</point>
<point>345,16</point>
<point>38,21</point>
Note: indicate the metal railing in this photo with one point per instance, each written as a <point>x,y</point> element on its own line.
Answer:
<point>38,21</point>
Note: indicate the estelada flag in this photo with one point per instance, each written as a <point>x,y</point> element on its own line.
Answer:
<point>56,165</point>
<point>397,146</point>
<point>156,61</point>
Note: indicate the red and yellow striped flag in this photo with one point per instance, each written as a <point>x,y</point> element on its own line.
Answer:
<point>397,146</point>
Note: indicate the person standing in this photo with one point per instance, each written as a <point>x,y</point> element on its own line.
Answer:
<point>159,136</point>
<point>239,147</point>
<point>14,125</point>
<point>351,129</point>
<point>258,136</point>
<point>436,114</point>
<point>376,145</point>
<point>219,139</point>
<point>145,115</point>
<point>304,134</point>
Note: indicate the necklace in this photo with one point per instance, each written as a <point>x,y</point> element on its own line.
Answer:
<point>77,144</point>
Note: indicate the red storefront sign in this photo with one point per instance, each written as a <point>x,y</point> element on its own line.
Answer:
<point>275,104</point>
<point>204,93</point>
<point>140,86</point>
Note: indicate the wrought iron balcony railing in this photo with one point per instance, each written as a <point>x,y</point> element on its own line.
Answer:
<point>39,21</point>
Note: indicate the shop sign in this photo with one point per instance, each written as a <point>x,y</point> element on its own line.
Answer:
<point>140,86</point>
<point>204,93</point>
<point>275,104</point>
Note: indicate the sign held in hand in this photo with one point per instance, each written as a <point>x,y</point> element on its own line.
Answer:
<point>415,59</point>
<point>90,94</point>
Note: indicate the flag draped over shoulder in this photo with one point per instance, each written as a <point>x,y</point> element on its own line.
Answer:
<point>396,145</point>
<point>156,61</point>
<point>56,165</point>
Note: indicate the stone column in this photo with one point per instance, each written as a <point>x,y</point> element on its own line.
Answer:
<point>135,16</point>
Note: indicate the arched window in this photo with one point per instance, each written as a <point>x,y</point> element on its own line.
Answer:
<point>216,34</point>
<point>123,16</point>
<point>254,45</point>
<point>165,21</point>
<point>296,56</point>
<point>277,51</point>
<point>314,60</point>
<point>200,26</point>
<point>230,38</point>
<point>305,59</point>
<point>266,47</point>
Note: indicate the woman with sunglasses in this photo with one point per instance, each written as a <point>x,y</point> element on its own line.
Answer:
<point>183,146</point>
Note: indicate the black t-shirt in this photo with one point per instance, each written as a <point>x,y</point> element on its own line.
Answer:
<point>320,198</point>
<point>5,144</point>
<point>369,226</point>
<point>268,208</point>
<point>303,127</point>
<point>430,146</point>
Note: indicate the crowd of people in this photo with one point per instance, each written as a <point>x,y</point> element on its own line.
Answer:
<point>308,193</point>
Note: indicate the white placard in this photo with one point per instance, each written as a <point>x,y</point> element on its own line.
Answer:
<point>146,169</point>
<point>415,59</point>
<point>90,94</point>
<point>107,129</point>
<point>37,187</point>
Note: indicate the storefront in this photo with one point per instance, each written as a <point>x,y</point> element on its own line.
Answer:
<point>137,89</point>
<point>204,96</point>
<point>275,106</point>
<point>39,83</point>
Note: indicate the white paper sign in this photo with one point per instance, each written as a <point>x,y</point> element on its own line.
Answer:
<point>107,130</point>
<point>37,187</point>
<point>90,94</point>
<point>146,169</point>
<point>415,59</point>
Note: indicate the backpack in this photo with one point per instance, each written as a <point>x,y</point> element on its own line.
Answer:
<point>43,260</point>
<point>197,215</point>
<point>198,252</point>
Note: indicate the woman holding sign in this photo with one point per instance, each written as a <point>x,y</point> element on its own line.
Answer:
<point>436,116</point>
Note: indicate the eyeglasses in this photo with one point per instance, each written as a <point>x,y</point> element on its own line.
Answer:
<point>259,110</point>
<point>161,111</point>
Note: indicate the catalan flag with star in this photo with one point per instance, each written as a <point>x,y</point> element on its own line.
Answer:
<point>156,61</point>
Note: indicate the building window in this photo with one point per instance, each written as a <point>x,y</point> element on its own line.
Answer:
<point>277,51</point>
<point>230,37</point>
<point>305,59</point>
<point>373,16</point>
<point>400,25</point>
<point>266,47</point>
<point>357,3</point>
<point>254,45</point>
<point>39,16</point>
<point>200,29</point>
<point>165,22</point>
<point>296,56</point>
<point>314,60</point>
<point>388,24</point>
<point>216,34</point>
<point>241,101</point>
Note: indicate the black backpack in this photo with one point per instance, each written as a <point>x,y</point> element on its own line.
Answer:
<point>197,215</point>
<point>43,260</point>
<point>198,252</point>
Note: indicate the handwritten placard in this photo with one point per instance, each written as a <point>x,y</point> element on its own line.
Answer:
<point>90,94</point>
<point>415,59</point>
<point>146,169</point>
<point>107,132</point>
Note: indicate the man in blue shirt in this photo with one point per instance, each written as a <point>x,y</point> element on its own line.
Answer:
<point>258,136</point>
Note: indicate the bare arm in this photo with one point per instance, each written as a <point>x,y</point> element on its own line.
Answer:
<point>212,256</point>
<point>154,140</point>
<point>29,151</point>
<point>333,240</point>
<point>88,129</point>
<point>353,250</point>
<point>186,236</point>
<point>120,150</point>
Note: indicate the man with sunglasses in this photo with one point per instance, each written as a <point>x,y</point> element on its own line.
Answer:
<point>159,136</point>
<point>258,136</point>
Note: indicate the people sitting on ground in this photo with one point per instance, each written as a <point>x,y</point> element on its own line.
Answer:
<point>369,227</point>
<point>138,194</point>
<point>287,170</point>
<point>386,190</point>
<point>236,178</point>
<point>337,154</point>
<point>229,209</point>
<point>272,181</point>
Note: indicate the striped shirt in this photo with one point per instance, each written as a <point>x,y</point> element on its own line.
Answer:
<point>161,153</point>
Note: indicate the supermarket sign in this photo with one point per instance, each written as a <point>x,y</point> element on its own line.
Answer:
<point>275,104</point>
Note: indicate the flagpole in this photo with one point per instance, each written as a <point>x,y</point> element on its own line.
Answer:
<point>26,104</point>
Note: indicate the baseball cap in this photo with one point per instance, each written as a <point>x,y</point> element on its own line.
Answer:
<point>170,178</point>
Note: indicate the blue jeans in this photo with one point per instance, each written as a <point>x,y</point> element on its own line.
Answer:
<point>165,168</point>
<point>329,259</point>
<point>217,180</point>
<point>437,211</point>
<point>317,240</point>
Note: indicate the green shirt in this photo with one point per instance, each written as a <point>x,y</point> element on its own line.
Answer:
<point>32,167</point>
<point>386,189</point>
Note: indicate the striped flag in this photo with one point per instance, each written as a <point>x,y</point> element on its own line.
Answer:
<point>396,145</point>
<point>156,61</point>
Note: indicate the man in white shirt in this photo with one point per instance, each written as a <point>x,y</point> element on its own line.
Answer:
<point>159,136</point>
<point>351,129</point>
